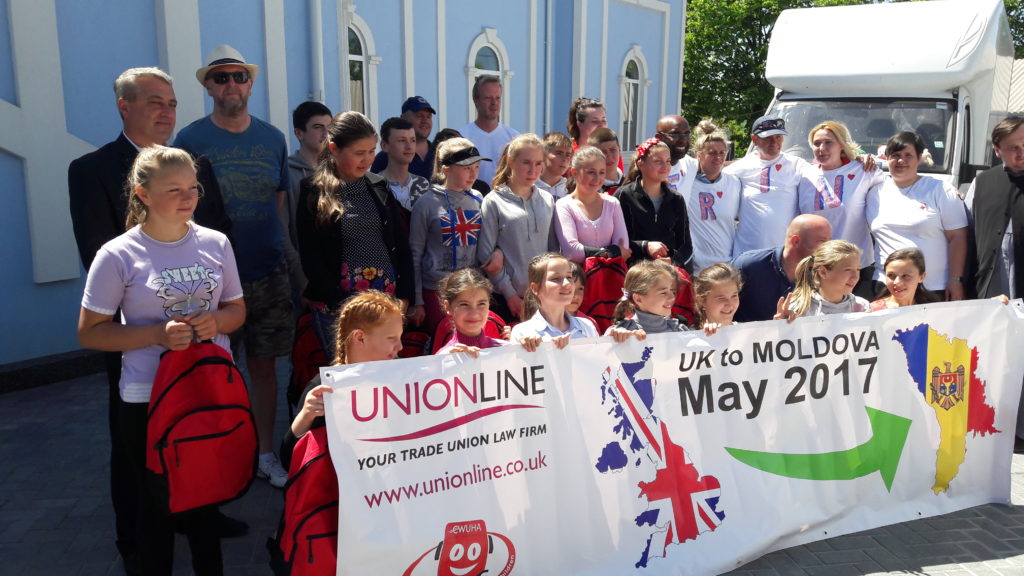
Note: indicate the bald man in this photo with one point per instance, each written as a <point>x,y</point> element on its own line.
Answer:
<point>769,273</point>
<point>674,131</point>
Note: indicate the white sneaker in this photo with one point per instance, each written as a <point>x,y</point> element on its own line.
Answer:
<point>270,468</point>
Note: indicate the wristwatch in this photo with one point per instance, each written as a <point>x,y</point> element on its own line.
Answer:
<point>959,279</point>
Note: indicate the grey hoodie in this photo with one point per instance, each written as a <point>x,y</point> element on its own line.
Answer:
<point>850,303</point>
<point>522,229</point>
<point>297,170</point>
<point>436,249</point>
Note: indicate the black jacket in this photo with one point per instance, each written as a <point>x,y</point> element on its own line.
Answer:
<point>996,198</point>
<point>321,249</point>
<point>96,185</point>
<point>669,225</point>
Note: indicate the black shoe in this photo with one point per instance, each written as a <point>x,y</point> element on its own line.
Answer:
<point>1018,445</point>
<point>229,527</point>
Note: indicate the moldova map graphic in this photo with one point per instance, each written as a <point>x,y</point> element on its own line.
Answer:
<point>945,371</point>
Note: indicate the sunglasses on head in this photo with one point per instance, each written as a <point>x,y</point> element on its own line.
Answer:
<point>239,76</point>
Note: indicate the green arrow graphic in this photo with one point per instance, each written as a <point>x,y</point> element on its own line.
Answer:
<point>882,453</point>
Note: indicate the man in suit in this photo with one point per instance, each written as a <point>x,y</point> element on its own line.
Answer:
<point>146,103</point>
<point>995,209</point>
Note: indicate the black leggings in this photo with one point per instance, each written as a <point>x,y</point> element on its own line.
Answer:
<point>155,528</point>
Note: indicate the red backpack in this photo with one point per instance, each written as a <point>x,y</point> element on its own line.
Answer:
<point>603,278</point>
<point>201,437</point>
<point>309,540</point>
<point>307,358</point>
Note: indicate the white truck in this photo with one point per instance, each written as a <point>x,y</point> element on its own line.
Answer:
<point>941,68</point>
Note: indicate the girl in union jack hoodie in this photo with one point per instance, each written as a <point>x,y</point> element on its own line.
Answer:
<point>445,226</point>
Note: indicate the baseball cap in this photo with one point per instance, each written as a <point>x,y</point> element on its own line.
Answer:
<point>769,126</point>
<point>417,103</point>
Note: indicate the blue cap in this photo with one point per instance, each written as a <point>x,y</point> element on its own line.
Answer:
<point>417,103</point>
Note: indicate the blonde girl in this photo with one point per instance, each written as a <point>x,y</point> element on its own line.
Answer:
<point>551,288</point>
<point>465,295</point>
<point>712,198</point>
<point>444,226</point>
<point>518,217</point>
<point>716,291</point>
<point>589,222</point>
<point>648,293</point>
<point>173,281</point>
<point>824,283</point>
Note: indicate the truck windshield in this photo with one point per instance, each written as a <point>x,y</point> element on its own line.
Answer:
<point>872,122</point>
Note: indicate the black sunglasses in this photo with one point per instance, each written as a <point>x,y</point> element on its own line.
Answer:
<point>239,76</point>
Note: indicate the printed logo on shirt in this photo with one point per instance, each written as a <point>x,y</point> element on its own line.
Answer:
<point>826,198</point>
<point>460,227</point>
<point>766,179</point>
<point>673,180</point>
<point>186,290</point>
<point>706,201</point>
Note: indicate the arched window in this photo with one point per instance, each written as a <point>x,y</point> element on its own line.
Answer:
<point>358,63</point>
<point>630,102</point>
<point>633,85</point>
<point>486,60</point>
<point>488,57</point>
<point>356,72</point>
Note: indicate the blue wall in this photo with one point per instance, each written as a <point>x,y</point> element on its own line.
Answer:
<point>238,23</point>
<point>7,88</point>
<point>88,67</point>
<point>38,319</point>
<point>128,32</point>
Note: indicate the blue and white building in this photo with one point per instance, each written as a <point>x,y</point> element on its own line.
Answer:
<point>58,60</point>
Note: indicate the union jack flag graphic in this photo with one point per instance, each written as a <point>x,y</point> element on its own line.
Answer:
<point>460,227</point>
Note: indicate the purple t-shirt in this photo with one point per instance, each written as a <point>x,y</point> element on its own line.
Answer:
<point>151,281</point>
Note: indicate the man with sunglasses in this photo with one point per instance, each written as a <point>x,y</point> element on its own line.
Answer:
<point>250,159</point>
<point>674,131</point>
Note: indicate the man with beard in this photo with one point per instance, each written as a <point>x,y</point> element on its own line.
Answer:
<point>674,131</point>
<point>250,160</point>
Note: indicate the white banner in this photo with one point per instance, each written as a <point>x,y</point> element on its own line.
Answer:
<point>680,454</point>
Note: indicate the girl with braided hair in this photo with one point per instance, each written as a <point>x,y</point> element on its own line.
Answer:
<point>369,328</point>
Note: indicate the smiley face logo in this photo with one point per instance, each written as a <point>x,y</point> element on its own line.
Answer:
<point>465,551</point>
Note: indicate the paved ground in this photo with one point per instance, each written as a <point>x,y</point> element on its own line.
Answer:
<point>55,516</point>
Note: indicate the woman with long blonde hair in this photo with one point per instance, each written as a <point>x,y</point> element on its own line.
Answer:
<point>518,217</point>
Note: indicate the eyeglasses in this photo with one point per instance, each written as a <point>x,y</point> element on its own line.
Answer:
<point>675,135</point>
<point>239,76</point>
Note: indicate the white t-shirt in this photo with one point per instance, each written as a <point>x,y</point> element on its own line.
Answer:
<point>557,190</point>
<point>916,217</point>
<point>490,145</point>
<point>769,199</point>
<point>151,281</point>
<point>840,196</point>
<point>682,173</point>
<point>712,208</point>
